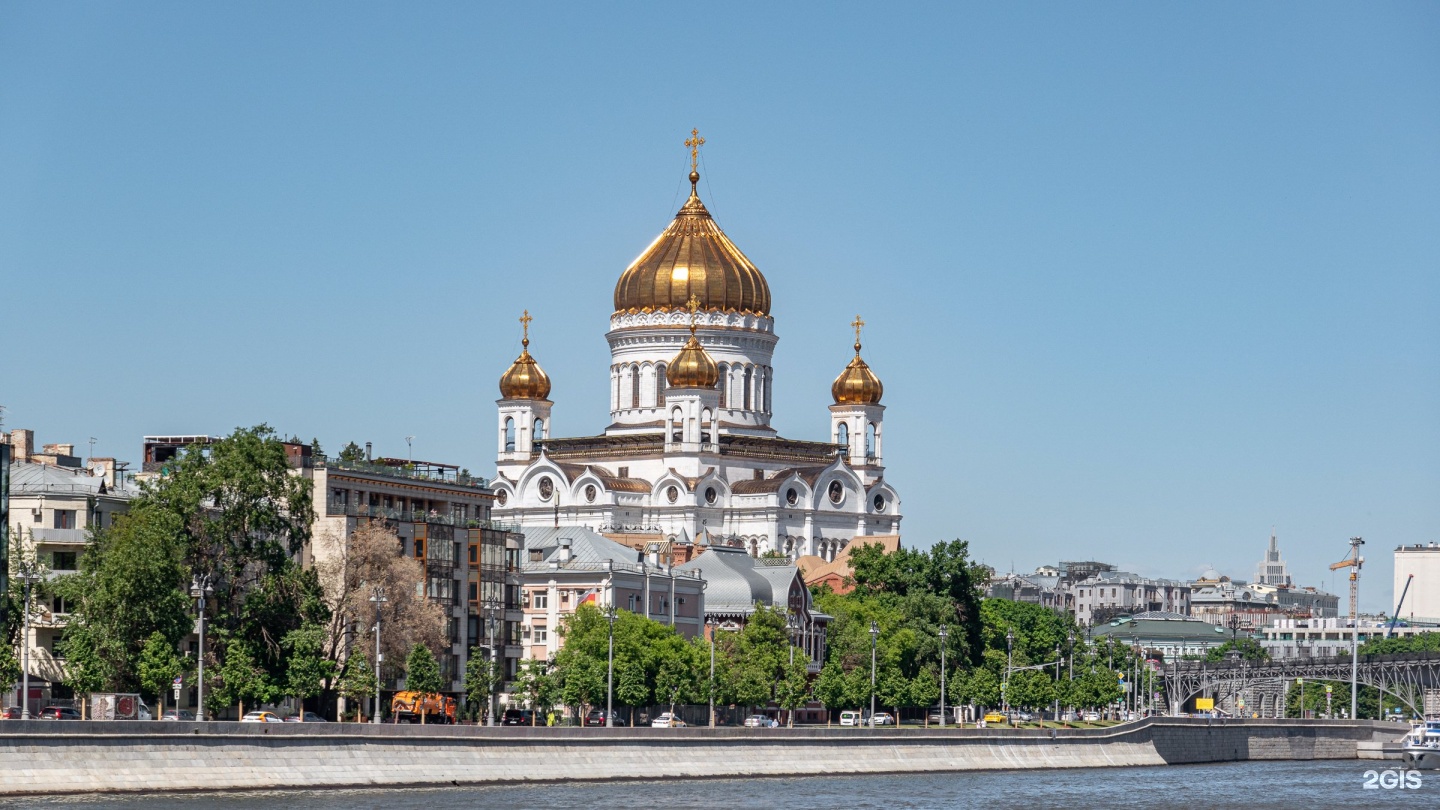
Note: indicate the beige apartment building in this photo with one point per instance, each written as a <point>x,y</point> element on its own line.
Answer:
<point>56,499</point>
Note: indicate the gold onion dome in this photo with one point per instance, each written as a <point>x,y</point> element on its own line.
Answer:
<point>692,257</point>
<point>525,379</point>
<point>857,384</point>
<point>692,367</point>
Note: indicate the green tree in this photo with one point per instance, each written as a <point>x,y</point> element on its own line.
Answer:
<point>1031,689</point>
<point>480,682</point>
<point>925,689</point>
<point>129,587</point>
<point>307,667</point>
<point>422,673</point>
<point>832,689</point>
<point>979,688</point>
<point>357,680</point>
<point>352,453</point>
<point>158,667</point>
<point>536,686</point>
<point>1249,649</point>
<point>241,680</point>
<point>632,687</point>
<point>675,672</point>
<point>793,691</point>
<point>9,666</point>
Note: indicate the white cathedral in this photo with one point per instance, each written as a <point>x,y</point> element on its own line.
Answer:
<point>689,453</point>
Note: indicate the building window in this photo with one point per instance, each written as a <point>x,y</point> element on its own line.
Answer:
<point>539,429</point>
<point>474,554</point>
<point>540,600</point>
<point>539,636</point>
<point>634,386</point>
<point>536,555</point>
<point>660,383</point>
<point>63,560</point>
<point>723,384</point>
<point>64,518</point>
<point>474,591</point>
<point>842,435</point>
<point>509,435</point>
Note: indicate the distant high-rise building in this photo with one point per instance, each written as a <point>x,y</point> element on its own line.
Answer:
<point>1272,568</point>
<point>1422,602</point>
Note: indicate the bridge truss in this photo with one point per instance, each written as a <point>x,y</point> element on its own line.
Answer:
<point>1262,685</point>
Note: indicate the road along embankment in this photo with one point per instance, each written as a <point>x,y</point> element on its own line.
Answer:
<point>79,757</point>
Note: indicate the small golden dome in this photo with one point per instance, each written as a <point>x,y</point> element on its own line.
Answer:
<point>692,257</point>
<point>525,379</point>
<point>692,367</point>
<point>857,384</point>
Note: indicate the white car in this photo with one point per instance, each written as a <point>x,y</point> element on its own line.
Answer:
<point>760,721</point>
<point>849,718</point>
<point>261,717</point>
<point>667,720</point>
<point>884,719</point>
<point>1092,717</point>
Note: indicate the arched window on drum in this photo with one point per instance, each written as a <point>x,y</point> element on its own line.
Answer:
<point>509,435</point>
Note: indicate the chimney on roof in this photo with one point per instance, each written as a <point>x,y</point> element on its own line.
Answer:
<point>654,550</point>
<point>564,555</point>
<point>22,445</point>
<point>367,452</point>
<point>105,468</point>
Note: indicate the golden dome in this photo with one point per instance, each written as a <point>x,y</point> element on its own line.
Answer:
<point>524,379</point>
<point>692,257</point>
<point>857,384</point>
<point>692,367</point>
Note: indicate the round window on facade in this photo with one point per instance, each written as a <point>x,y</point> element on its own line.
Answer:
<point>879,503</point>
<point>791,496</point>
<point>672,494</point>
<point>590,493</point>
<point>711,495</point>
<point>501,497</point>
<point>547,488</point>
<point>837,492</point>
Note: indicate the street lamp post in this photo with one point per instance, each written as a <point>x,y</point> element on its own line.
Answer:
<point>944,634</point>
<point>378,598</point>
<point>1135,679</point>
<point>1009,667</point>
<point>712,627</point>
<point>874,640</point>
<point>200,591</point>
<point>1058,661</point>
<point>490,702</point>
<point>27,578</point>
<point>610,671</point>
<point>791,625</point>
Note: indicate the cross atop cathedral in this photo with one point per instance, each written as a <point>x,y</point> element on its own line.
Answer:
<point>858,324</point>
<point>694,306</point>
<point>694,142</point>
<point>525,320</point>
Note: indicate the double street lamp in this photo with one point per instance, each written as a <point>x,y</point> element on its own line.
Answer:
<point>944,634</point>
<point>874,640</point>
<point>1009,668</point>
<point>377,597</point>
<point>27,578</point>
<point>200,591</point>
<point>494,670</point>
<point>710,624</point>
<point>792,624</point>
<point>610,671</point>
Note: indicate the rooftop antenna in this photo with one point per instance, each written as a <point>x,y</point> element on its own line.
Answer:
<point>92,447</point>
<point>410,448</point>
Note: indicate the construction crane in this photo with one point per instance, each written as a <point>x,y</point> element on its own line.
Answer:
<point>1391,628</point>
<point>1353,562</point>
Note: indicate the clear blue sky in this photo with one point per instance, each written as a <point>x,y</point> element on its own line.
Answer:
<point>1143,280</point>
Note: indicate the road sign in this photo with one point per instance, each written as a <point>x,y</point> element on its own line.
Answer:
<point>177,682</point>
<point>1327,688</point>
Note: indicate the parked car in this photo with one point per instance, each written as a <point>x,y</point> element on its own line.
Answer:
<point>883,719</point>
<point>1092,717</point>
<point>178,714</point>
<point>934,716</point>
<point>994,717</point>
<point>761,721</point>
<point>310,717</point>
<point>667,720</point>
<point>596,717</point>
<point>59,713</point>
<point>1025,717</point>
<point>261,717</point>
<point>12,713</point>
<point>521,717</point>
<point>851,718</point>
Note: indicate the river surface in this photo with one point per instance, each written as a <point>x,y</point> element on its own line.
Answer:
<point>1248,785</point>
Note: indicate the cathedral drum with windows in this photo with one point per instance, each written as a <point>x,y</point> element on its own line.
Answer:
<point>689,454</point>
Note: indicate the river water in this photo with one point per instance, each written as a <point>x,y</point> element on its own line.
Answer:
<point>1248,785</point>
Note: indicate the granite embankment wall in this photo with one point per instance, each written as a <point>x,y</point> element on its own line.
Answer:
<point>66,757</point>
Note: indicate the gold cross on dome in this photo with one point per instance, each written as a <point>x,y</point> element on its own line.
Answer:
<point>858,324</point>
<point>694,306</point>
<point>694,142</point>
<point>525,320</point>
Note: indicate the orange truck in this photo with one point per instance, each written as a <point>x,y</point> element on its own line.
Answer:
<point>407,707</point>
